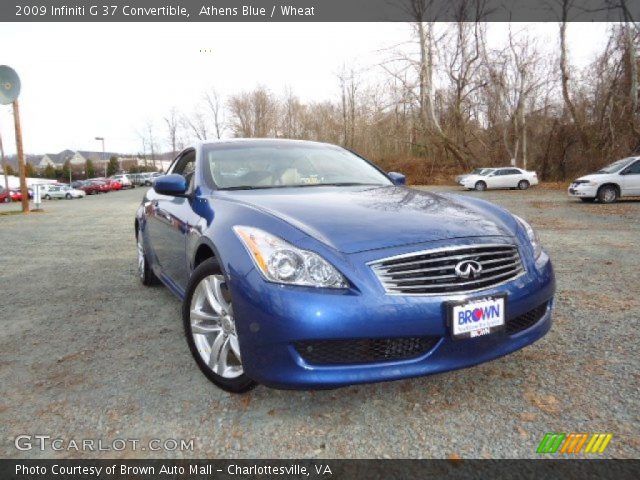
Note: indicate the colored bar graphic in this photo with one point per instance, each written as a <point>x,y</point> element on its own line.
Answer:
<point>572,443</point>
<point>550,443</point>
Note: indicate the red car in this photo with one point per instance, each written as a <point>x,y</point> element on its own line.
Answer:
<point>114,184</point>
<point>101,186</point>
<point>89,188</point>
<point>16,195</point>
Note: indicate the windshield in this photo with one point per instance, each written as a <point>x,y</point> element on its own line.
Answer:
<point>486,171</point>
<point>616,166</point>
<point>280,165</point>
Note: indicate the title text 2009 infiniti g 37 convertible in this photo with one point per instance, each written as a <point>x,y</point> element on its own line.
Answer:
<point>302,265</point>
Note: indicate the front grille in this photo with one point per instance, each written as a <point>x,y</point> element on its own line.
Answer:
<point>333,352</point>
<point>433,271</point>
<point>526,320</point>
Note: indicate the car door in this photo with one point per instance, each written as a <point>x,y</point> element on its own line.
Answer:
<point>511,177</point>
<point>630,180</point>
<point>496,179</point>
<point>168,223</point>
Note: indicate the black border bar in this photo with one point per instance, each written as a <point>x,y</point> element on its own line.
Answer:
<point>325,469</point>
<point>318,10</point>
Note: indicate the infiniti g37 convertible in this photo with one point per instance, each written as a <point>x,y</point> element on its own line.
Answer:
<point>302,265</point>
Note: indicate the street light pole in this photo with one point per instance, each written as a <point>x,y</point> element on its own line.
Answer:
<point>4,167</point>
<point>101,139</point>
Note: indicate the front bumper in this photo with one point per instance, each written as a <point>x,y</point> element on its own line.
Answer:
<point>582,190</point>
<point>271,318</point>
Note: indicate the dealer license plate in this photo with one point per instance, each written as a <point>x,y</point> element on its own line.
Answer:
<point>477,317</point>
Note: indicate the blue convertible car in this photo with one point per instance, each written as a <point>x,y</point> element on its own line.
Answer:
<point>302,265</point>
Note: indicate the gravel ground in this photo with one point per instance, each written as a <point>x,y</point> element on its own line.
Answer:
<point>86,352</point>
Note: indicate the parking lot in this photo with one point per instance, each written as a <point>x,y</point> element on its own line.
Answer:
<point>86,352</point>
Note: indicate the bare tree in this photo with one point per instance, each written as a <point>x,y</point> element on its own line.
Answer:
<point>216,111</point>
<point>172,121</point>
<point>197,124</point>
<point>254,114</point>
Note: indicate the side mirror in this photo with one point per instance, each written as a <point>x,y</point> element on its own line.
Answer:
<point>397,178</point>
<point>174,185</point>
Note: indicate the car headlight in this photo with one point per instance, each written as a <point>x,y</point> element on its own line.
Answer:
<point>281,262</point>
<point>533,237</point>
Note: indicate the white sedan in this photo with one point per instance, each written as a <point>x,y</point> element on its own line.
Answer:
<point>507,177</point>
<point>63,191</point>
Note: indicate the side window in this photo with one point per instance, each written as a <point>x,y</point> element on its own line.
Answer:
<point>186,166</point>
<point>633,169</point>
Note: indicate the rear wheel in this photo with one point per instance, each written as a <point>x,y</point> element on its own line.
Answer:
<point>480,186</point>
<point>210,328</point>
<point>608,194</point>
<point>523,185</point>
<point>68,196</point>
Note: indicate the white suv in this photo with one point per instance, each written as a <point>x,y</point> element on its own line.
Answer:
<point>620,179</point>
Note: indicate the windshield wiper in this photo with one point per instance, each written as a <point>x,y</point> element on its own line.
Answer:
<point>337,184</point>
<point>252,187</point>
<point>265,187</point>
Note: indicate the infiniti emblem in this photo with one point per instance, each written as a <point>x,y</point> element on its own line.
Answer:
<point>468,269</point>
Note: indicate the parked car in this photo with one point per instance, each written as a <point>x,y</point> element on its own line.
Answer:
<point>321,270</point>
<point>89,188</point>
<point>124,180</point>
<point>113,184</point>
<point>100,185</point>
<point>146,178</point>
<point>507,177</point>
<point>620,179</point>
<point>14,194</point>
<point>476,171</point>
<point>44,188</point>
<point>63,191</point>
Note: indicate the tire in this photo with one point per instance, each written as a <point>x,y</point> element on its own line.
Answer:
<point>47,197</point>
<point>225,369</point>
<point>607,194</point>
<point>588,200</point>
<point>523,185</point>
<point>145,273</point>
<point>480,186</point>
<point>68,196</point>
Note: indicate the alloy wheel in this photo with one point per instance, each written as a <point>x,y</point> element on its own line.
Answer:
<point>213,327</point>
<point>609,195</point>
<point>141,262</point>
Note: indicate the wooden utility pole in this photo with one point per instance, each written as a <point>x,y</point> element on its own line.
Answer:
<point>21,163</point>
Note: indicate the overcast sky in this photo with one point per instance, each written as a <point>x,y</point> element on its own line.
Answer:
<point>80,81</point>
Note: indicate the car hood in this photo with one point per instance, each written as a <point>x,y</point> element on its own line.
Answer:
<point>354,219</point>
<point>596,177</point>
<point>472,177</point>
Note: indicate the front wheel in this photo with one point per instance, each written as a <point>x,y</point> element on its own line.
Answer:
<point>146,275</point>
<point>47,197</point>
<point>68,196</point>
<point>480,186</point>
<point>608,194</point>
<point>523,185</point>
<point>210,328</point>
